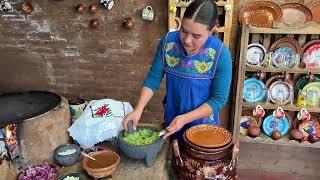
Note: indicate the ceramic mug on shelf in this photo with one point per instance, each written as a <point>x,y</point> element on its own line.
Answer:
<point>279,113</point>
<point>303,114</point>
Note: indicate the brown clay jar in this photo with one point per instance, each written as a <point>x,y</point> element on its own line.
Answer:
<point>312,138</point>
<point>276,134</point>
<point>80,8</point>
<point>128,23</point>
<point>296,134</point>
<point>253,131</point>
<point>94,23</point>
<point>93,8</point>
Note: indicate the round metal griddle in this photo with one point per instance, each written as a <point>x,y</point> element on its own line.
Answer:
<point>18,106</point>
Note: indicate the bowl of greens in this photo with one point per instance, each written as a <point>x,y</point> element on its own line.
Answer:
<point>143,143</point>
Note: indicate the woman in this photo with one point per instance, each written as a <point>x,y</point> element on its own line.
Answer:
<point>198,71</point>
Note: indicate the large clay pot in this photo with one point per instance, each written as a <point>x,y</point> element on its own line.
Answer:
<point>192,163</point>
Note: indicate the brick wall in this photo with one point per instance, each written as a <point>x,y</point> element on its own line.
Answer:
<point>54,49</point>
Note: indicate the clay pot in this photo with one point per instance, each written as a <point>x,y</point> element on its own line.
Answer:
<point>128,23</point>
<point>254,131</point>
<point>296,134</point>
<point>105,164</point>
<point>94,23</point>
<point>80,8</point>
<point>312,138</point>
<point>276,135</point>
<point>93,8</point>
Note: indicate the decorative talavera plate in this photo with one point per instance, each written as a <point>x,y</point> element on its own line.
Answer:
<point>311,56</point>
<point>271,123</point>
<point>309,127</point>
<point>280,92</point>
<point>284,57</point>
<point>255,54</point>
<point>253,90</point>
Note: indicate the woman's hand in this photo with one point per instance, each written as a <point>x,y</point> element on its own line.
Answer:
<point>177,123</point>
<point>133,116</point>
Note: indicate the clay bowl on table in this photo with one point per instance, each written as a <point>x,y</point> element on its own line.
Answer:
<point>80,176</point>
<point>105,164</point>
<point>67,155</point>
<point>148,152</point>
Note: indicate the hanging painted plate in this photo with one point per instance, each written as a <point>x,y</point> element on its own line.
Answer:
<point>295,14</point>
<point>260,14</point>
<point>255,54</point>
<point>280,92</point>
<point>309,127</point>
<point>284,57</point>
<point>315,9</point>
<point>271,123</point>
<point>311,56</point>
<point>253,90</point>
<point>286,42</point>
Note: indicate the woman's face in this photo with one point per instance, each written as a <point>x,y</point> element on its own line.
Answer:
<point>193,35</point>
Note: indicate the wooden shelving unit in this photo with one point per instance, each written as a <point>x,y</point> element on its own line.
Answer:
<point>266,37</point>
<point>225,10</point>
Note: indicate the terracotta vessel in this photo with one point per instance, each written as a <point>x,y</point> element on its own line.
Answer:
<point>93,8</point>
<point>128,23</point>
<point>80,8</point>
<point>296,134</point>
<point>105,164</point>
<point>254,131</point>
<point>94,23</point>
<point>191,163</point>
<point>276,135</point>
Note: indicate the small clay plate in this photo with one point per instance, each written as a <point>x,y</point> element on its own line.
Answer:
<point>271,123</point>
<point>295,14</point>
<point>208,136</point>
<point>309,127</point>
<point>315,9</point>
<point>311,56</point>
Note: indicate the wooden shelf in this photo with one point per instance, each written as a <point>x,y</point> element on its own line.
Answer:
<point>289,107</point>
<point>285,141</point>
<point>274,69</point>
<point>308,28</point>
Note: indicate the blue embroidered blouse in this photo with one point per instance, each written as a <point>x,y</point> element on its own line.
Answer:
<point>222,79</point>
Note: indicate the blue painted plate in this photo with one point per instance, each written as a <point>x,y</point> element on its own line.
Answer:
<point>271,123</point>
<point>288,59</point>
<point>253,90</point>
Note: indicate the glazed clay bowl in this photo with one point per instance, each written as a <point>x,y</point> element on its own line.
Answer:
<point>148,152</point>
<point>67,155</point>
<point>206,150</point>
<point>206,155</point>
<point>105,164</point>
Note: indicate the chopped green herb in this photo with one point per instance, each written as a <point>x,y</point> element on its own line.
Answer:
<point>141,137</point>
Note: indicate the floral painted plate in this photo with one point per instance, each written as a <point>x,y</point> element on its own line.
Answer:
<point>280,92</point>
<point>271,123</point>
<point>255,54</point>
<point>312,56</point>
<point>284,57</point>
<point>309,127</point>
<point>253,90</point>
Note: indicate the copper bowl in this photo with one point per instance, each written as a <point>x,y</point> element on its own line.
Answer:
<point>105,164</point>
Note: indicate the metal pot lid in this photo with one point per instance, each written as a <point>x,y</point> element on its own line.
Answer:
<point>18,106</point>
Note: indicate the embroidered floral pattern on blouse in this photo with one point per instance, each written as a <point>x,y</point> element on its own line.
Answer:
<point>202,67</point>
<point>172,61</point>
<point>212,53</point>
<point>169,46</point>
